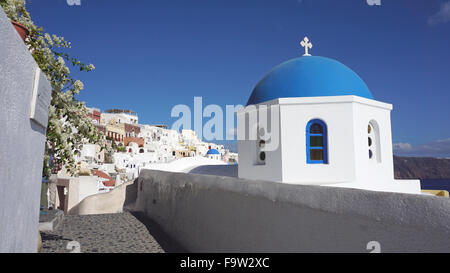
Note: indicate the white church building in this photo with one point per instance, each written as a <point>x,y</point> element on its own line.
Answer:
<point>213,154</point>
<point>322,126</point>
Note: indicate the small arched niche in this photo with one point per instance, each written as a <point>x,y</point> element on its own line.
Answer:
<point>373,141</point>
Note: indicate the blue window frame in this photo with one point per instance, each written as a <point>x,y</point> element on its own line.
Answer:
<point>316,142</point>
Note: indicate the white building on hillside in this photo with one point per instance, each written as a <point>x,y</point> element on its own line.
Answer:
<point>120,116</point>
<point>189,137</point>
<point>331,130</point>
<point>213,154</point>
<point>91,153</point>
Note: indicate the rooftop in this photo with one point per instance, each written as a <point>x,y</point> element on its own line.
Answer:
<point>309,76</point>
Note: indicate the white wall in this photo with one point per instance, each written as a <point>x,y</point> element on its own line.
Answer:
<point>88,185</point>
<point>213,156</point>
<point>206,213</point>
<point>272,170</point>
<point>295,115</point>
<point>22,143</point>
<point>89,150</point>
<point>102,203</point>
<point>146,158</point>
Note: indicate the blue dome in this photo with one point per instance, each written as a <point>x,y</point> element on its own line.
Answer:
<point>213,152</point>
<point>310,76</point>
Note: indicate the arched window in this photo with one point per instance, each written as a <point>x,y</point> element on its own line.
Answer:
<point>316,142</point>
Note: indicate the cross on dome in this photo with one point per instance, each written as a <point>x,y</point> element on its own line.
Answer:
<point>307,45</point>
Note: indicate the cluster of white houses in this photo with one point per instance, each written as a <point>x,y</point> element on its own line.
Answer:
<point>139,146</point>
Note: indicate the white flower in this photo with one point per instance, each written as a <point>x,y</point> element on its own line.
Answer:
<point>78,85</point>
<point>49,39</point>
<point>61,61</point>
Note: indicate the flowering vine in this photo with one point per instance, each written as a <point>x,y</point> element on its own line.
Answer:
<point>69,125</point>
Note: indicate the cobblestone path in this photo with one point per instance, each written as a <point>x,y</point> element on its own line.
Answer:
<point>107,233</point>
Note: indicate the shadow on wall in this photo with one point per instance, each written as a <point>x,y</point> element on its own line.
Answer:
<point>168,244</point>
<point>130,195</point>
<point>37,128</point>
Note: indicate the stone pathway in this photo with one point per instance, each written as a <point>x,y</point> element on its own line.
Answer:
<point>106,233</point>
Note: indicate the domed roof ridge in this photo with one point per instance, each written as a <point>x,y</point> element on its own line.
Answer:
<point>212,152</point>
<point>309,76</point>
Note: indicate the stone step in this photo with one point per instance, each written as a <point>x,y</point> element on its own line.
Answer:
<point>50,220</point>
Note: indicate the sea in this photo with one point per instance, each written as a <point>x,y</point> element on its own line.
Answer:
<point>435,184</point>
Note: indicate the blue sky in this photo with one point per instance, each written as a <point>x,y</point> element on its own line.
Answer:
<point>152,55</point>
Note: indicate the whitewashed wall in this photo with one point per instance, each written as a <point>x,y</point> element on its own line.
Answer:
<point>206,213</point>
<point>21,143</point>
